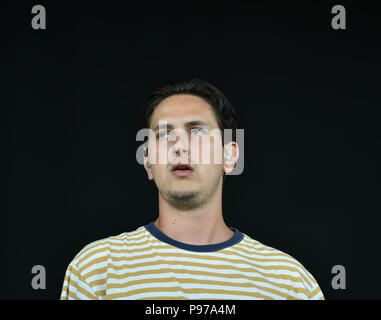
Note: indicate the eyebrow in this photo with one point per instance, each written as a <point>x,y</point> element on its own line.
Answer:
<point>187,125</point>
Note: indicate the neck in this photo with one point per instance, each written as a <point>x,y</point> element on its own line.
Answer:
<point>199,226</point>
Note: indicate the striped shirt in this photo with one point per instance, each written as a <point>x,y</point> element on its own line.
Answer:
<point>147,264</point>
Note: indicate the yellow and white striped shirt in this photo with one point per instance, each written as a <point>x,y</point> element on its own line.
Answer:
<point>147,264</point>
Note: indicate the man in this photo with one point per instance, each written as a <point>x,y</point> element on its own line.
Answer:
<point>188,252</point>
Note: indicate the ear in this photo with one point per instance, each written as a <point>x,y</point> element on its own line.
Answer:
<point>231,154</point>
<point>147,167</point>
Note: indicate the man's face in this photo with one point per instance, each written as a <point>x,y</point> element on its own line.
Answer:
<point>185,151</point>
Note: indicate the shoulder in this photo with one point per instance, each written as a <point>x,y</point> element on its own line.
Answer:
<point>281,266</point>
<point>97,253</point>
<point>86,275</point>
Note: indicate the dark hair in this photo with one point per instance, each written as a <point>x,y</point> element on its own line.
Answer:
<point>223,110</point>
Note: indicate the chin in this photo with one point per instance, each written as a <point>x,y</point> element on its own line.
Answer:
<point>182,190</point>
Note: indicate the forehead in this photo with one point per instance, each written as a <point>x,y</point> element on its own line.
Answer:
<point>182,108</point>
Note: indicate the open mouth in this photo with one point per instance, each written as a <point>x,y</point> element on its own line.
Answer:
<point>181,170</point>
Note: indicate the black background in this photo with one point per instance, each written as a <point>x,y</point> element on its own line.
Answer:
<point>306,95</point>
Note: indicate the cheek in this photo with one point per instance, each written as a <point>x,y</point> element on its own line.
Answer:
<point>159,175</point>
<point>158,152</point>
<point>208,175</point>
<point>206,151</point>
<point>214,150</point>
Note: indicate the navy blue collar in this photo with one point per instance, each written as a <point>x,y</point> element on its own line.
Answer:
<point>154,231</point>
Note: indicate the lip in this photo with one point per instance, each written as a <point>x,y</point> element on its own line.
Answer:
<point>182,170</point>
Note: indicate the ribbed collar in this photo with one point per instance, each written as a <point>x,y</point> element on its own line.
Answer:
<point>155,232</point>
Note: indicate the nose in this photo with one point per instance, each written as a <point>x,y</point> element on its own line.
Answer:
<point>179,148</point>
<point>181,145</point>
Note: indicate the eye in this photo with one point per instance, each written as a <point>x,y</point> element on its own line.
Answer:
<point>163,135</point>
<point>198,131</point>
